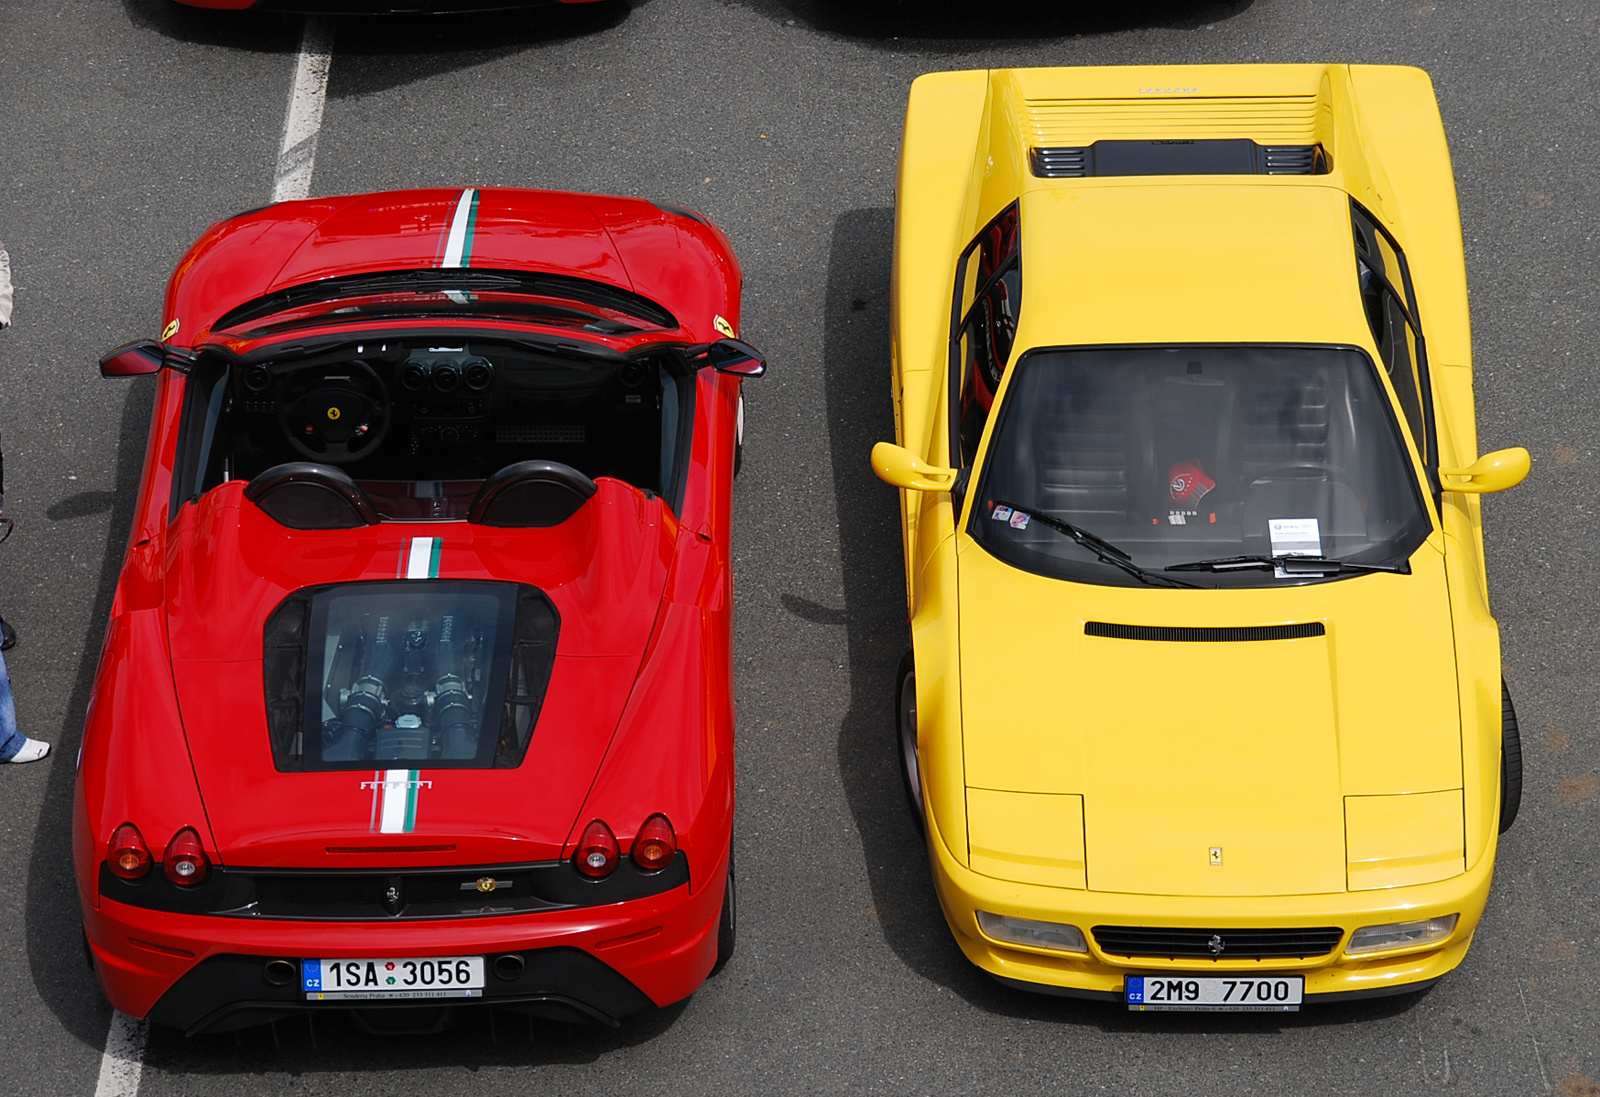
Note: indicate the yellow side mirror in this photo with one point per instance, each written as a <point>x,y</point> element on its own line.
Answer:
<point>1504,468</point>
<point>902,468</point>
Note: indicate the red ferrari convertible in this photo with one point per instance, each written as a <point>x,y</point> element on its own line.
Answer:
<point>417,691</point>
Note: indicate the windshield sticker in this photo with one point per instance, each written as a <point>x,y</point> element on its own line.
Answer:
<point>394,799</point>
<point>722,325</point>
<point>1000,514</point>
<point>170,330</point>
<point>1294,537</point>
<point>1020,519</point>
<point>419,558</point>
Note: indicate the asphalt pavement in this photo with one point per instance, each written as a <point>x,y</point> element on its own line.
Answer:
<point>127,126</point>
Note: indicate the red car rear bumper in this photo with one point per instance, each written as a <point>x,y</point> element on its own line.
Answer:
<point>208,972</point>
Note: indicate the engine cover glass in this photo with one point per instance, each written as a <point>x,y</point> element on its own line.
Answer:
<point>407,674</point>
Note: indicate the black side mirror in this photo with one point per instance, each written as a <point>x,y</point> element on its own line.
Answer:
<point>136,359</point>
<point>736,357</point>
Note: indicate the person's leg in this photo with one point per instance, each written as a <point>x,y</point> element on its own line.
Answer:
<point>11,740</point>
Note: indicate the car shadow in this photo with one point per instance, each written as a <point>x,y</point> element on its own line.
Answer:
<point>332,1044</point>
<point>377,53</point>
<point>81,505</point>
<point>255,32</point>
<point>856,380</point>
<point>53,932</point>
<point>914,24</point>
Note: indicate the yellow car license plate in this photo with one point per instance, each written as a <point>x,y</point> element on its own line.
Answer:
<point>1214,993</point>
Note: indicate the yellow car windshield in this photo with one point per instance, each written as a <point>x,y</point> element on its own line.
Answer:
<point>1218,461</point>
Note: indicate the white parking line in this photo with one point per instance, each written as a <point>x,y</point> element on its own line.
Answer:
<point>297,157</point>
<point>123,1061</point>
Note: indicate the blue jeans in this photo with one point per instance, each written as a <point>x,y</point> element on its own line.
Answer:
<point>11,739</point>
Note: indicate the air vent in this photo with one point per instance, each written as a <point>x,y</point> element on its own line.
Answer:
<point>1230,156</point>
<point>1292,160</point>
<point>1274,120</point>
<point>539,435</point>
<point>1066,163</point>
<point>1203,635</point>
<point>1217,944</point>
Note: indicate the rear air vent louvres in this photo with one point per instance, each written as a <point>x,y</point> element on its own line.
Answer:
<point>1209,156</point>
<point>1292,160</point>
<point>1202,634</point>
<point>1067,163</point>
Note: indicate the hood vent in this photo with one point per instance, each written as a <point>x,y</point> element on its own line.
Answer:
<point>1208,156</point>
<point>1193,635</point>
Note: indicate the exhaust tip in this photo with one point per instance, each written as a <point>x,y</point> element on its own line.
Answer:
<point>280,973</point>
<point>509,966</point>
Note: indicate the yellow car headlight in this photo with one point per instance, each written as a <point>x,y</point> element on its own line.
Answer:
<point>1056,936</point>
<point>1400,935</point>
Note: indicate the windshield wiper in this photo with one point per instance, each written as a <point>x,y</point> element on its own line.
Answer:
<point>1104,550</point>
<point>1291,565</point>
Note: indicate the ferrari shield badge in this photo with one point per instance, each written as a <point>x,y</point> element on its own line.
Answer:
<point>722,325</point>
<point>170,330</point>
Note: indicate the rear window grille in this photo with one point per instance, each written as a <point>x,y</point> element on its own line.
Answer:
<point>522,434</point>
<point>1217,944</point>
<point>1273,120</point>
<point>1212,156</point>
<point>1203,634</point>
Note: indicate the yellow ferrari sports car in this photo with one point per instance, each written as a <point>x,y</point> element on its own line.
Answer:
<point>1203,708</point>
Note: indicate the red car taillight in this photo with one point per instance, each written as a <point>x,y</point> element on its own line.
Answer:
<point>185,863</point>
<point>655,845</point>
<point>597,850</point>
<point>127,854</point>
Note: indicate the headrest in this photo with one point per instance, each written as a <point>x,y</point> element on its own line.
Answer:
<point>531,493</point>
<point>306,495</point>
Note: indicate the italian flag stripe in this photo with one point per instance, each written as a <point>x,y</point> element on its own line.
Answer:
<point>458,238</point>
<point>398,812</point>
<point>420,558</point>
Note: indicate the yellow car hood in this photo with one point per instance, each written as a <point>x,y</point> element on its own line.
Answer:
<point>1207,767</point>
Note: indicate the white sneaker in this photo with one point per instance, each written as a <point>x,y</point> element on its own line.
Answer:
<point>32,750</point>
